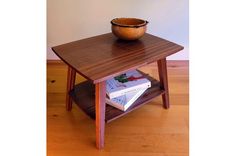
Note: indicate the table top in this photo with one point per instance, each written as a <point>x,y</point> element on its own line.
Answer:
<point>102,57</point>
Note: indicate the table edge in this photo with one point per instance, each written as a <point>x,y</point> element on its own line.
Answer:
<point>122,71</point>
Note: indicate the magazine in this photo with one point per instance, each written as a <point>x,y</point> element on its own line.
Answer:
<point>127,82</point>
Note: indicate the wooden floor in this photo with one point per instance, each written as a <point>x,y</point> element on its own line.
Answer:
<point>147,131</point>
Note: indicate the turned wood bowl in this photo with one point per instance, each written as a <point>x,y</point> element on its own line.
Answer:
<point>128,28</point>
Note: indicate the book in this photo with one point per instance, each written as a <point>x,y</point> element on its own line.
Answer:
<point>124,83</point>
<point>125,101</point>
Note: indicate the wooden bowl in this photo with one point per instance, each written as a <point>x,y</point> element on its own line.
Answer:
<point>128,28</point>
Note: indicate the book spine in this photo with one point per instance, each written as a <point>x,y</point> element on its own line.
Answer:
<point>124,91</point>
<point>134,99</point>
<point>115,105</point>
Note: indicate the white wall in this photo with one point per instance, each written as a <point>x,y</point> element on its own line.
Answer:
<point>69,20</point>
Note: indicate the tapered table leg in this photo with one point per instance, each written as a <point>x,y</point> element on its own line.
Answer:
<point>100,92</point>
<point>70,84</point>
<point>164,81</point>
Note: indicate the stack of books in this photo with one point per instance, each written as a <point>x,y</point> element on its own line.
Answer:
<point>123,90</point>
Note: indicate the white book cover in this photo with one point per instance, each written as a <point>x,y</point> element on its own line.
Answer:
<point>125,101</point>
<point>124,83</point>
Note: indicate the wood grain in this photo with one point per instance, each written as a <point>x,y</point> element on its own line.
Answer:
<point>148,131</point>
<point>162,70</point>
<point>70,85</point>
<point>83,95</point>
<point>100,105</point>
<point>102,57</point>
<point>57,76</point>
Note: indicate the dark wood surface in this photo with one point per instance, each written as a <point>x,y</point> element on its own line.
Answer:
<point>71,74</point>
<point>100,106</point>
<point>164,82</point>
<point>84,96</point>
<point>102,57</point>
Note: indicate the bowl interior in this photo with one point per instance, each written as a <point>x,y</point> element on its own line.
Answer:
<point>128,22</point>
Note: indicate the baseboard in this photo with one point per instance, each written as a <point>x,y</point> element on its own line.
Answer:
<point>49,62</point>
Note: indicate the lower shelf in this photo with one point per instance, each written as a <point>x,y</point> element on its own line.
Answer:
<point>84,96</point>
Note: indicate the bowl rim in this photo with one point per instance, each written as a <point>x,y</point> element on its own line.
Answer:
<point>130,26</point>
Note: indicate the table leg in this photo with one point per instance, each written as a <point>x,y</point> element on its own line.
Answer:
<point>162,69</point>
<point>70,84</point>
<point>100,92</point>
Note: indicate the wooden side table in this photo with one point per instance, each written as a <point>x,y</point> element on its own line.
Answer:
<point>102,57</point>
